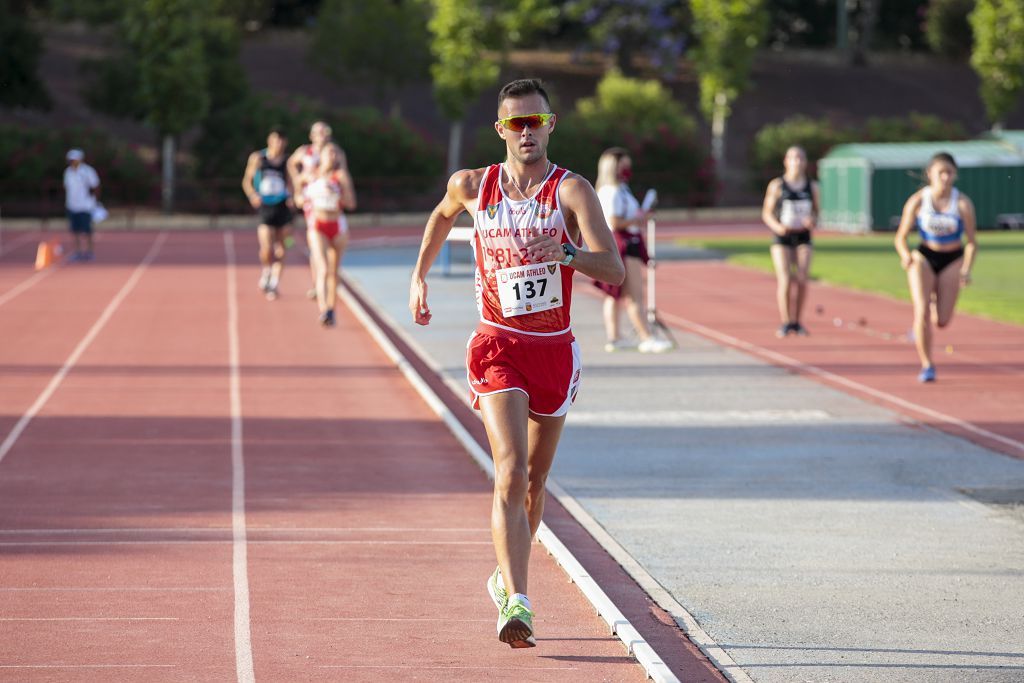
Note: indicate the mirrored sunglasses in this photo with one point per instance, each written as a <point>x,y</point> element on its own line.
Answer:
<point>518,123</point>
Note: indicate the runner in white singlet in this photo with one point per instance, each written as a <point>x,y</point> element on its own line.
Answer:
<point>531,218</point>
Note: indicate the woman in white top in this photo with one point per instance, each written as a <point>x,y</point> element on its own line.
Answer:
<point>325,195</point>
<point>624,216</point>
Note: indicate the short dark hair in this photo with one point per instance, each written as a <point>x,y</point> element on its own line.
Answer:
<point>279,131</point>
<point>942,156</point>
<point>521,88</point>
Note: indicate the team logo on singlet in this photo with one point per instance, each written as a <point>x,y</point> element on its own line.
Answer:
<point>552,267</point>
<point>544,210</point>
<point>492,210</point>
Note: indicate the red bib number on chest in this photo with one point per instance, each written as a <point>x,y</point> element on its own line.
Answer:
<point>529,288</point>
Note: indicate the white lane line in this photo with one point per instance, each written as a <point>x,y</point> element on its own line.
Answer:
<point>842,381</point>
<point>15,291</point>
<point>674,417</point>
<point>100,323</point>
<point>648,658</point>
<point>239,566</point>
<point>89,619</point>
<point>447,619</point>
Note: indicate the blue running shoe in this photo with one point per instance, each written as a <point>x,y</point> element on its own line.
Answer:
<point>927,374</point>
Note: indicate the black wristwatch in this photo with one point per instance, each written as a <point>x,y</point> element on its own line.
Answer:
<point>570,253</point>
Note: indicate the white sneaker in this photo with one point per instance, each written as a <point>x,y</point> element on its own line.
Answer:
<point>653,345</point>
<point>618,345</point>
<point>264,281</point>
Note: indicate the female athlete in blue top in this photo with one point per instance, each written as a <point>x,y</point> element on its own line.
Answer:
<point>941,264</point>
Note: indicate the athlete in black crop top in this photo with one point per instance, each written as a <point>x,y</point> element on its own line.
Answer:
<point>790,210</point>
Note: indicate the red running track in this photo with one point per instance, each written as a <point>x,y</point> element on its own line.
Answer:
<point>127,551</point>
<point>858,343</point>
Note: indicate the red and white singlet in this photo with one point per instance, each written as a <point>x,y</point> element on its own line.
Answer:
<point>325,194</point>
<point>511,292</point>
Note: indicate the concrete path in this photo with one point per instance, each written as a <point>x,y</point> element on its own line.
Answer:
<point>813,535</point>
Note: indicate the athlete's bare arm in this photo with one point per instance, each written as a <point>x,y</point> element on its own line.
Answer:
<point>771,200</point>
<point>583,218</point>
<point>910,210</point>
<point>970,220</point>
<point>247,185</point>
<point>816,202</point>
<point>348,188</point>
<point>463,188</point>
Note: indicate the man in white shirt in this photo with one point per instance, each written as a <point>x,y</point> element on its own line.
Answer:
<point>81,187</point>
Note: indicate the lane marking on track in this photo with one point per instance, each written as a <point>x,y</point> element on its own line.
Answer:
<point>620,626</point>
<point>239,565</point>
<point>107,589</point>
<point>268,530</point>
<point>24,286</point>
<point>80,349</point>
<point>781,359</point>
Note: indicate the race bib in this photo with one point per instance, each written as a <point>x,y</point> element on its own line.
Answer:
<point>794,211</point>
<point>272,185</point>
<point>529,289</point>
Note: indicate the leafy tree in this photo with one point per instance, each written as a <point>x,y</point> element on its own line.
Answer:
<point>656,29</point>
<point>380,44</point>
<point>468,40</point>
<point>998,56</point>
<point>947,29</point>
<point>164,39</point>
<point>19,60</point>
<point>728,33</point>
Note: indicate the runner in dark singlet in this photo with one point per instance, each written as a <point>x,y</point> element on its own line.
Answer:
<point>268,188</point>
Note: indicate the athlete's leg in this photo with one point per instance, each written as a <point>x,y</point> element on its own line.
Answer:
<point>277,254</point>
<point>265,236</point>
<point>921,279</point>
<point>506,416</point>
<point>782,260</point>
<point>318,262</point>
<point>544,433</point>
<point>803,271</point>
<point>633,292</point>
<point>610,310</point>
<point>331,273</point>
<point>947,289</point>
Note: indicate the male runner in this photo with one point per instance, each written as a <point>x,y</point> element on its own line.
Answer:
<point>530,220</point>
<point>268,188</point>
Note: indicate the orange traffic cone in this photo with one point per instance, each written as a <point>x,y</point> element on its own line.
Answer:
<point>46,254</point>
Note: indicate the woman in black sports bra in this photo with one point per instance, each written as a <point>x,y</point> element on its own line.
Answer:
<point>941,264</point>
<point>791,212</point>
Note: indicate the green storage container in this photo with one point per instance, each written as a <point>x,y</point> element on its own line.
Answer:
<point>864,186</point>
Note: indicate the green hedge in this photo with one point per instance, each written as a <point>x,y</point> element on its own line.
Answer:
<point>639,115</point>
<point>33,160</point>
<point>818,136</point>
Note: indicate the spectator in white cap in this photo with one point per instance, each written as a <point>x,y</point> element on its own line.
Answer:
<point>81,187</point>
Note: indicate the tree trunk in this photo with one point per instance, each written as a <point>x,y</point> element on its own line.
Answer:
<point>455,147</point>
<point>167,183</point>
<point>718,119</point>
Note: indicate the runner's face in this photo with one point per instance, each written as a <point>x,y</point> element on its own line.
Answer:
<point>530,145</point>
<point>275,144</point>
<point>941,176</point>
<point>625,169</point>
<point>328,158</point>
<point>795,161</point>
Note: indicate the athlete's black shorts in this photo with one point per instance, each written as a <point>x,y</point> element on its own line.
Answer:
<point>793,238</point>
<point>938,260</point>
<point>275,215</point>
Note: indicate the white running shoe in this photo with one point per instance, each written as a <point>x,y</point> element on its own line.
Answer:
<point>264,281</point>
<point>619,345</point>
<point>653,345</point>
